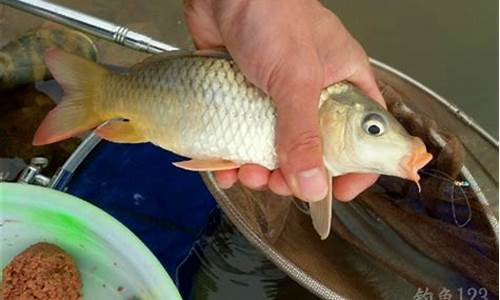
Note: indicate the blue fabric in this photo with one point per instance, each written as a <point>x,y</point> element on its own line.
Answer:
<point>166,207</point>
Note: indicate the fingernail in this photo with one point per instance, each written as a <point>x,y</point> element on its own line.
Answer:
<point>224,184</point>
<point>312,184</point>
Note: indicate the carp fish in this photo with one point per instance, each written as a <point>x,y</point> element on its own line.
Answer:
<point>199,105</point>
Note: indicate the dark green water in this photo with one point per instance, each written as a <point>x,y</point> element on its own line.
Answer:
<point>450,46</point>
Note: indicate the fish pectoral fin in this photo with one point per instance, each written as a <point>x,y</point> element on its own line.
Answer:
<point>119,131</point>
<point>206,165</point>
<point>321,213</point>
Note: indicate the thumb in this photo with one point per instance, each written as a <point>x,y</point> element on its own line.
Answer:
<point>296,95</point>
<point>365,80</point>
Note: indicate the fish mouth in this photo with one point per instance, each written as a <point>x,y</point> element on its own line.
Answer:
<point>418,158</point>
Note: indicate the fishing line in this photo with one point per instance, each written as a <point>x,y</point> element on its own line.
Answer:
<point>455,184</point>
<point>302,207</point>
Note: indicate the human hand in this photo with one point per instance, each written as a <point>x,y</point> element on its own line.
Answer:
<point>291,49</point>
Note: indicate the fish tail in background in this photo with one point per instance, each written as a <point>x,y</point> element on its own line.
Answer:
<point>80,79</point>
<point>21,60</point>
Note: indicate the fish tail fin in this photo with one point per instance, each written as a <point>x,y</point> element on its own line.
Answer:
<point>80,80</point>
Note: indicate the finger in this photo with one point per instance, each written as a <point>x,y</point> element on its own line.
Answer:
<point>226,179</point>
<point>365,81</point>
<point>201,24</point>
<point>347,187</point>
<point>278,185</point>
<point>254,176</point>
<point>295,91</point>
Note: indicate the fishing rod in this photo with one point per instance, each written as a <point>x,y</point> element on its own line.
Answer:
<point>96,27</point>
<point>91,25</point>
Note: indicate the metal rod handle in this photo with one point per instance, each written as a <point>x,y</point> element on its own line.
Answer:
<point>89,24</point>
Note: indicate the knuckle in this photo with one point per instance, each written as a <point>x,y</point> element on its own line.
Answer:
<point>301,146</point>
<point>188,5</point>
<point>361,58</point>
<point>192,7</point>
<point>273,75</point>
<point>303,72</point>
<point>307,75</point>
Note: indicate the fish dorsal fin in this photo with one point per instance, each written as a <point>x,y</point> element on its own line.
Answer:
<point>214,52</point>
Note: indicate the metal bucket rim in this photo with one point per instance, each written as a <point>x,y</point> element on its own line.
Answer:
<point>453,108</point>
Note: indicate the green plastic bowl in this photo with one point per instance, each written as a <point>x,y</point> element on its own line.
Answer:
<point>113,262</point>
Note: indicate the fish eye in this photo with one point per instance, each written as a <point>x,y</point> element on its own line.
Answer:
<point>374,124</point>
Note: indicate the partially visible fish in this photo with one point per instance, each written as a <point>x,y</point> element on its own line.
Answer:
<point>200,105</point>
<point>21,60</point>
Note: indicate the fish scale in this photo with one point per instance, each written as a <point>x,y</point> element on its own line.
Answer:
<point>230,118</point>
